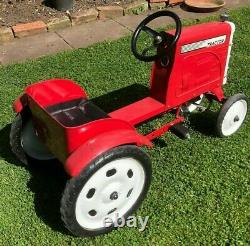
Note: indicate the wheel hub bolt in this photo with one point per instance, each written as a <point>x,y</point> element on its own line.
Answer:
<point>114,195</point>
<point>236,118</point>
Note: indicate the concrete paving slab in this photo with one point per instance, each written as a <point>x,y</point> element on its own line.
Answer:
<point>236,3</point>
<point>32,47</point>
<point>93,32</point>
<point>130,22</point>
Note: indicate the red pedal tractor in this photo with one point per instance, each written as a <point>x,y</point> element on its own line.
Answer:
<point>110,174</point>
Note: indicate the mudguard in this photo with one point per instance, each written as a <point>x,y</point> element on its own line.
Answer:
<point>20,103</point>
<point>96,146</point>
<point>49,92</point>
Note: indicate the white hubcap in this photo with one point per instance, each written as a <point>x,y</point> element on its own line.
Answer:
<point>234,117</point>
<point>112,190</point>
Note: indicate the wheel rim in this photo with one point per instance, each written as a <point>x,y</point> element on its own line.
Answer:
<point>32,145</point>
<point>109,193</point>
<point>234,117</point>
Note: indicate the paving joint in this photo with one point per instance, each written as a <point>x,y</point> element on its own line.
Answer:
<point>123,25</point>
<point>61,37</point>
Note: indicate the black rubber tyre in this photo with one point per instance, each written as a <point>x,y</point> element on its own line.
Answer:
<point>15,139</point>
<point>17,127</point>
<point>231,114</point>
<point>76,184</point>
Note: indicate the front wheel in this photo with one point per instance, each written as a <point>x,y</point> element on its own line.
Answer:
<point>232,115</point>
<point>111,187</point>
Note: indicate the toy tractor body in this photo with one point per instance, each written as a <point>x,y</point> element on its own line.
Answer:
<point>99,149</point>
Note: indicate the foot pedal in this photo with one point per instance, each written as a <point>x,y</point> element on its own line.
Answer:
<point>180,131</point>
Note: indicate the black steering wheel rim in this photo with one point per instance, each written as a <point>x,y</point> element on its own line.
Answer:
<point>143,24</point>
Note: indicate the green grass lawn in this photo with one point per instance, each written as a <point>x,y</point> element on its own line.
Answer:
<point>200,192</point>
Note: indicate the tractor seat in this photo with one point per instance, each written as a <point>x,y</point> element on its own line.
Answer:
<point>76,112</point>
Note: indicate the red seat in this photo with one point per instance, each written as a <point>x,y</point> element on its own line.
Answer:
<point>54,91</point>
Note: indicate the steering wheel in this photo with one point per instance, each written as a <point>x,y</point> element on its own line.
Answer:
<point>160,39</point>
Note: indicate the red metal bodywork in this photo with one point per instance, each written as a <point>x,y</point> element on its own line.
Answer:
<point>193,73</point>
<point>100,144</point>
<point>49,92</point>
<point>68,139</point>
<point>187,76</point>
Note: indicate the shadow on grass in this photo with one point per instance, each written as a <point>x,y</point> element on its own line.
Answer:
<point>160,142</point>
<point>5,151</point>
<point>121,97</point>
<point>47,181</point>
<point>48,178</point>
<point>204,122</point>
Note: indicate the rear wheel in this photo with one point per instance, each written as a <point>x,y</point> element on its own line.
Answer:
<point>112,187</point>
<point>25,143</point>
<point>232,115</point>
